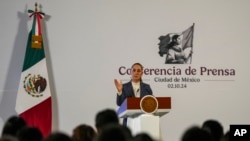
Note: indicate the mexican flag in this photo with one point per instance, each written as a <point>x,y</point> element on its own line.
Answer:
<point>34,102</point>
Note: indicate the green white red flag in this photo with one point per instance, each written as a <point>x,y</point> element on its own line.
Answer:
<point>34,102</point>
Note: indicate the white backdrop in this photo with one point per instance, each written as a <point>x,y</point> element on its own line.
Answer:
<point>88,41</point>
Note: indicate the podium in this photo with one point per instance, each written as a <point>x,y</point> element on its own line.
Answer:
<point>144,114</point>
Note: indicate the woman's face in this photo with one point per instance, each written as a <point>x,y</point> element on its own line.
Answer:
<point>136,73</point>
<point>178,40</point>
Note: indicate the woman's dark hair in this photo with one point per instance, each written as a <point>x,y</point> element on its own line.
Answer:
<point>175,37</point>
<point>173,42</point>
<point>139,64</point>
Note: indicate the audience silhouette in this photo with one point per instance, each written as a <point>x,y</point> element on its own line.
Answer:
<point>108,128</point>
<point>58,136</point>
<point>13,125</point>
<point>83,132</point>
<point>142,137</point>
<point>30,134</point>
<point>195,133</point>
<point>115,132</point>
<point>105,117</point>
<point>214,127</point>
<point>8,138</point>
<point>225,137</point>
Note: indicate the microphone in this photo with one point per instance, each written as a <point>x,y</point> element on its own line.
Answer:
<point>137,92</point>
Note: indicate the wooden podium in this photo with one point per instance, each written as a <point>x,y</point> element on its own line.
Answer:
<point>144,114</point>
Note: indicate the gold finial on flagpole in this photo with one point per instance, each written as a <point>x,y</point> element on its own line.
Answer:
<point>36,39</point>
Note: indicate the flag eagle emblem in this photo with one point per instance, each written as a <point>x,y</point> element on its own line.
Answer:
<point>34,85</point>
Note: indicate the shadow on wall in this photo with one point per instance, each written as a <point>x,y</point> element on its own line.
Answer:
<point>7,103</point>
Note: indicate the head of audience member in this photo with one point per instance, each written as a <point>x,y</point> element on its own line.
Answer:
<point>225,136</point>
<point>83,132</point>
<point>13,125</point>
<point>115,132</point>
<point>58,136</point>
<point>214,128</point>
<point>30,134</point>
<point>142,137</point>
<point>8,138</point>
<point>196,133</point>
<point>105,117</point>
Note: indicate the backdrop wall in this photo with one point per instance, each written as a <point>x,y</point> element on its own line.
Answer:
<point>88,42</point>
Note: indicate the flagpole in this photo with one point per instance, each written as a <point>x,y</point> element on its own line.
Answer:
<point>36,7</point>
<point>192,45</point>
